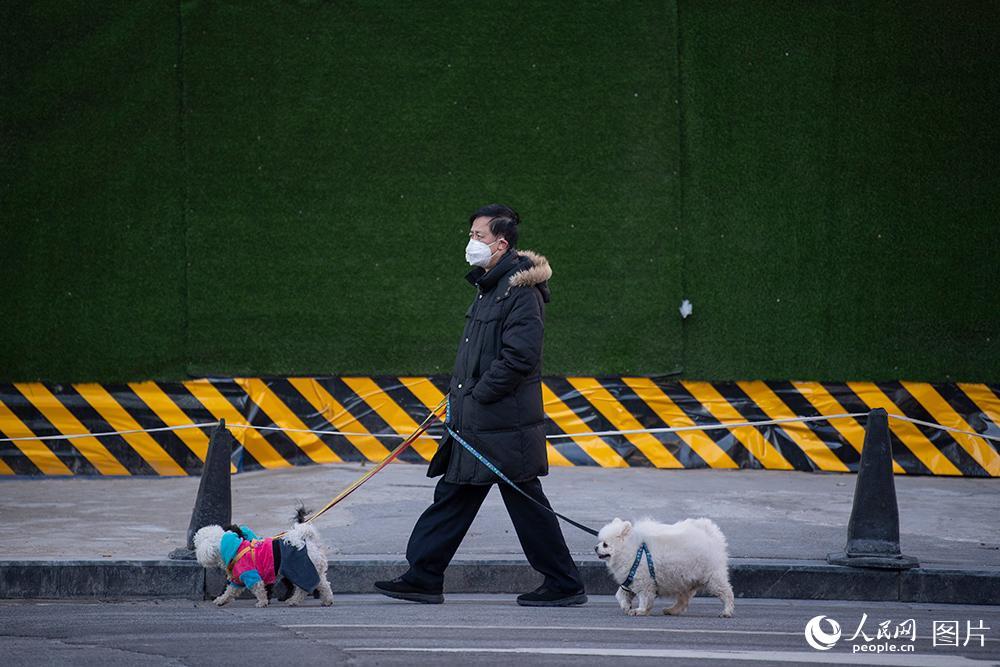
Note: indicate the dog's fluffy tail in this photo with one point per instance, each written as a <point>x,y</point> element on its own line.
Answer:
<point>301,513</point>
<point>301,532</point>
<point>711,529</point>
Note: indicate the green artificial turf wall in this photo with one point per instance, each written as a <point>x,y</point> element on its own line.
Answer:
<point>840,189</point>
<point>91,179</point>
<point>282,187</point>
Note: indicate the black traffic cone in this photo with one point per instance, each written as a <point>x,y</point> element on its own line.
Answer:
<point>873,531</point>
<point>213,504</point>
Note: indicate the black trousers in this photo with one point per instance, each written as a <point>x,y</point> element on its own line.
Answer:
<point>441,528</point>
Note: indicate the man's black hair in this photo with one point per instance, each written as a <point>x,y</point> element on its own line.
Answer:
<point>503,221</point>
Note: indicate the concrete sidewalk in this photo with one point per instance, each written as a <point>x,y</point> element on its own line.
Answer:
<point>106,537</point>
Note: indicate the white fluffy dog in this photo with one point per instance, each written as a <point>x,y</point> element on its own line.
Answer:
<point>685,557</point>
<point>298,557</point>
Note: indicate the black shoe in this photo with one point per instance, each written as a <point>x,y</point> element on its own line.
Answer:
<point>401,589</point>
<point>546,597</point>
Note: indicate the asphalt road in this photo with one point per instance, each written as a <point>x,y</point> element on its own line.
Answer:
<point>486,630</point>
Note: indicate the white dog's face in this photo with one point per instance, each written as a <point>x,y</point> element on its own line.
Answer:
<point>611,538</point>
<point>206,546</point>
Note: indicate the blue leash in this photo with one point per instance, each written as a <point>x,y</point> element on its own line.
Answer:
<point>496,471</point>
<point>635,567</point>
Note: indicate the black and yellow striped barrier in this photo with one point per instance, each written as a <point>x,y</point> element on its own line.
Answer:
<point>275,421</point>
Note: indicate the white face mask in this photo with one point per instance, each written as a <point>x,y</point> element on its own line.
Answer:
<point>478,253</point>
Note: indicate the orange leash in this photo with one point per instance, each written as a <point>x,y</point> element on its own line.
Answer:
<point>421,429</point>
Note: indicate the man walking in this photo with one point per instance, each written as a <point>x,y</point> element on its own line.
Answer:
<point>496,406</point>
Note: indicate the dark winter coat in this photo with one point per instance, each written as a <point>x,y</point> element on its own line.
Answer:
<point>496,390</point>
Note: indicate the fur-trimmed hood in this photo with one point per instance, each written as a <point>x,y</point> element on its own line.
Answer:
<point>536,272</point>
<point>522,268</point>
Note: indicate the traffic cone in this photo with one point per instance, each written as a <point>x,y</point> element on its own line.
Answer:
<point>873,531</point>
<point>213,505</point>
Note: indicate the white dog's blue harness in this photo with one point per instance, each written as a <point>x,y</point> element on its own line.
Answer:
<point>635,567</point>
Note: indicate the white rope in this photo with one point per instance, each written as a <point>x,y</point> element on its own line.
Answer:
<point>101,435</point>
<point>674,429</point>
<point>319,432</point>
<point>942,427</point>
<point>710,427</point>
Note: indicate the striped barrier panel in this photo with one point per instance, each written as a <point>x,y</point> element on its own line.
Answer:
<point>361,408</point>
